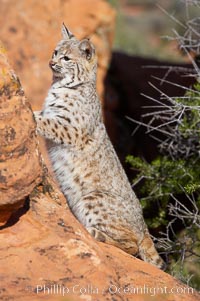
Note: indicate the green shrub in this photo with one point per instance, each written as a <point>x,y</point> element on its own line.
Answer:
<point>169,186</point>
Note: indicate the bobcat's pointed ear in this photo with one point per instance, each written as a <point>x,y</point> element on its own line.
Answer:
<point>87,49</point>
<point>66,34</point>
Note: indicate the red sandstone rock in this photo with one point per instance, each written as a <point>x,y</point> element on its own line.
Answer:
<point>48,248</point>
<point>44,248</point>
<point>18,144</point>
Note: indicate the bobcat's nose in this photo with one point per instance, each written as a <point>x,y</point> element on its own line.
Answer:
<point>51,63</point>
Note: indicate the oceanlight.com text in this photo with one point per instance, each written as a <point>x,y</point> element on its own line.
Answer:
<point>57,289</point>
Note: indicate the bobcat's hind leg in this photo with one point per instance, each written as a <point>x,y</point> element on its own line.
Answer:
<point>98,235</point>
<point>148,253</point>
<point>128,246</point>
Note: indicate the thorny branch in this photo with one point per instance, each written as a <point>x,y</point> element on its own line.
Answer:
<point>165,122</point>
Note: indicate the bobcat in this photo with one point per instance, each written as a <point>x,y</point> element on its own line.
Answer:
<point>83,158</point>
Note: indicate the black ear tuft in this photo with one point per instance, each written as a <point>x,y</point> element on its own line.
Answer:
<point>66,33</point>
<point>87,49</point>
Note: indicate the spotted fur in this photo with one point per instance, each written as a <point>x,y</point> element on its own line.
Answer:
<point>84,161</point>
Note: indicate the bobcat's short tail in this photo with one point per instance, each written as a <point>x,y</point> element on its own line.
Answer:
<point>148,253</point>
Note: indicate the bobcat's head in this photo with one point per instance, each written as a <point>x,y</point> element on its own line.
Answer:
<point>73,62</point>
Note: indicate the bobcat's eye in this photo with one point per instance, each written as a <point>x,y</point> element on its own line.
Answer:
<point>55,53</point>
<point>66,58</point>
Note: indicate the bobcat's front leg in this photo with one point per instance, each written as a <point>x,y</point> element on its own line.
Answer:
<point>49,128</point>
<point>60,130</point>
